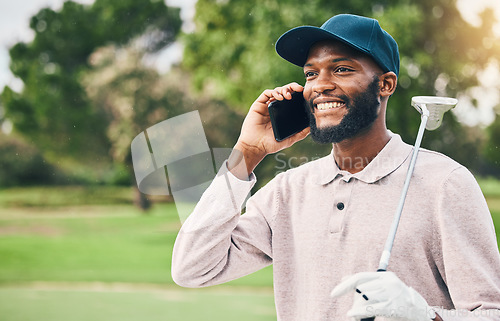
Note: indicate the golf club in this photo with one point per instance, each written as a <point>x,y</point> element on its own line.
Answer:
<point>432,109</point>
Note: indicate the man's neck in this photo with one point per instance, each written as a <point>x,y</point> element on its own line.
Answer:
<point>354,154</point>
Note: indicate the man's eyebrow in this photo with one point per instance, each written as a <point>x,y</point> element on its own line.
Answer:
<point>342,59</point>
<point>334,60</point>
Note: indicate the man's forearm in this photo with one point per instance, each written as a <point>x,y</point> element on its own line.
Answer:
<point>209,249</point>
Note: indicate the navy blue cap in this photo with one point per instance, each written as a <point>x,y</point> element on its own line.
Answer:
<point>361,33</point>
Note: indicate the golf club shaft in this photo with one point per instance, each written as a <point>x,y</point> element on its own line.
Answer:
<point>384,259</point>
<point>386,254</point>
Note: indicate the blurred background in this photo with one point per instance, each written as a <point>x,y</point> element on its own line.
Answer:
<point>79,80</point>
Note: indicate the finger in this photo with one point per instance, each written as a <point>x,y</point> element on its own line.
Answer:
<point>299,136</point>
<point>375,295</point>
<point>287,93</point>
<point>296,87</point>
<point>359,313</point>
<point>352,282</point>
<point>291,88</point>
<point>366,310</point>
<point>266,96</point>
<point>303,134</point>
<point>383,289</point>
<point>277,93</point>
<point>385,280</point>
<point>372,285</point>
<point>360,309</point>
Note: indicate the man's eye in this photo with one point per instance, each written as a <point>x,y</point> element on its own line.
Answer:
<point>343,69</point>
<point>309,74</point>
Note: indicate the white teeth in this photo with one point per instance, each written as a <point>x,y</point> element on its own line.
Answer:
<point>329,105</point>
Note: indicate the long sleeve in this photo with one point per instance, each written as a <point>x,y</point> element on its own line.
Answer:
<point>217,244</point>
<point>471,262</point>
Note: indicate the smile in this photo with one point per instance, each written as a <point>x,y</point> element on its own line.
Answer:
<point>330,105</point>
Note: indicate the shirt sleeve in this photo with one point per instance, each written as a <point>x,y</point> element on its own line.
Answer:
<point>470,258</point>
<point>216,243</point>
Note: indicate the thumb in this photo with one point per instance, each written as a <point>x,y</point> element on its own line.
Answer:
<point>351,283</point>
<point>292,139</point>
<point>301,135</point>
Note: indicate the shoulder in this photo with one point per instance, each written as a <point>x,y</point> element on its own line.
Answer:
<point>433,156</point>
<point>438,165</point>
<point>445,173</point>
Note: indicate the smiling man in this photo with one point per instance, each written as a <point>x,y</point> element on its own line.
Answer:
<point>323,225</point>
<point>351,110</point>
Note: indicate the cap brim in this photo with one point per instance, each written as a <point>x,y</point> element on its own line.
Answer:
<point>294,45</point>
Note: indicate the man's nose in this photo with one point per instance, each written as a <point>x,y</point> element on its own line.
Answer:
<point>323,84</point>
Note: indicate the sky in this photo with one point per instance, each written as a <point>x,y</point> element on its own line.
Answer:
<point>14,27</point>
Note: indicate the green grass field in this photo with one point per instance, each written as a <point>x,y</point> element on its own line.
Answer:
<point>133,304</point>
<point>88,254</point>
<point>75,253</point>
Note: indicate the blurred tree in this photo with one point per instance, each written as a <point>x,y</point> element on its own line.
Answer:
<point>22,163</point>
<point>135,97</point>
<point>52,109</point>
<point>232,55</point>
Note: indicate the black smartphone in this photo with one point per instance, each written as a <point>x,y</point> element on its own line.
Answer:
<point>288,117</point>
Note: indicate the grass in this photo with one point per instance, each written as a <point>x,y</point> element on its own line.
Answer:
<point>53,253</point>
<point>111,243</point>
<point>133,305</point>
<point>77,253</point>
<point>109,248</point>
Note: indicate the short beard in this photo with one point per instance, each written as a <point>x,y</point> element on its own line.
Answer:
<point>362,112</point>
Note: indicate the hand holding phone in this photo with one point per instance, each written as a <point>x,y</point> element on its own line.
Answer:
<point>256,138</point>
<point>288,117</point>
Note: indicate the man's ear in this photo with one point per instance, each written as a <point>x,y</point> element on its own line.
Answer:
<point>388,82</point>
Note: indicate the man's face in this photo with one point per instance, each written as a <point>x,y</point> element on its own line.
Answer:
<point>342,91</point>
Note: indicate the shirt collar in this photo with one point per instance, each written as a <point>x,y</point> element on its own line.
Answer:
<point>390,158</point>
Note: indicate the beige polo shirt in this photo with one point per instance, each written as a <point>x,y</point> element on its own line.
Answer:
<point>317,224</point>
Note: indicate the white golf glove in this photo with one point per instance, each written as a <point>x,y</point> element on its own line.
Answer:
<point>383,294</point>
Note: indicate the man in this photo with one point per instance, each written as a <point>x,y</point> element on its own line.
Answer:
<point>323,225</point>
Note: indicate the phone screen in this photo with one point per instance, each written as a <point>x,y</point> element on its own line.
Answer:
<point>288,117</point>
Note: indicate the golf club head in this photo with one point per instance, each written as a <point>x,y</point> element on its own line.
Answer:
<point>436,106</point>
